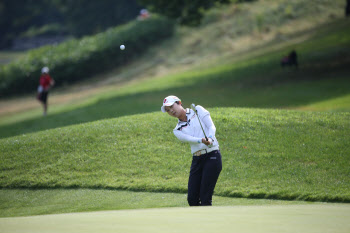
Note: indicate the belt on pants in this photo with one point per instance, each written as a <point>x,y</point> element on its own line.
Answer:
<point>205,151</point>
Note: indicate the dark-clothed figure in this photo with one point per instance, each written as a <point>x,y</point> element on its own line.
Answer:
<point>290,60</point>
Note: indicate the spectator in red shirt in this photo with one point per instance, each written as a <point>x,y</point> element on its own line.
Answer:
<point>45,84</point>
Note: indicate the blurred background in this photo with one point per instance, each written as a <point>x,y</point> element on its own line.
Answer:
<point>231,53</point>
<point>27,24</point>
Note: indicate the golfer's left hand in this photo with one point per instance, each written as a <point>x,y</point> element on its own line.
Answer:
<point>209,142</point>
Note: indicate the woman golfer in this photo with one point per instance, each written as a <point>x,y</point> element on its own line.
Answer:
<point>206,162</point>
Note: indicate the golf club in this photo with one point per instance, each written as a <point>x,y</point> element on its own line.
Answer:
<point>193,107</point>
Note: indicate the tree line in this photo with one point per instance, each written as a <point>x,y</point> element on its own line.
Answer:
<point>57,17</point>
<point>86,17</point>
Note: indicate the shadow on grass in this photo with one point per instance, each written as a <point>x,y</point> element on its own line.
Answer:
<point>323,75</point>
<point>276,89</point>
<point>261,195</point>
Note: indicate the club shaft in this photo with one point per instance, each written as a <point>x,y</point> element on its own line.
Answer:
<point>201,125</point>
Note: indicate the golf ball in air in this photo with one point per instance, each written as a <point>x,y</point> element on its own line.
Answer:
<point>122,47</point>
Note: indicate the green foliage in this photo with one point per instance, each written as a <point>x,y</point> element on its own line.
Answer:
<point>274,154</point>
<point>85,17</point>
<point>186,12</point>
<point>80,17</point>
<point>244,18</point>
<point>79,59</point>
<point>18,16</point>
<point>47,29</point>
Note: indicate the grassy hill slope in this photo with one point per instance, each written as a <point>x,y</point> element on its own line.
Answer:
<point>256,80</point>
<point>266,154</point>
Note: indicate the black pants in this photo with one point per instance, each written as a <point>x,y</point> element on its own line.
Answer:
<point>205,170</point>
<point>43,96</point>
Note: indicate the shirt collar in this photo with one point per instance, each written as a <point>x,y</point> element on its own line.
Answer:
<point>188,114</point>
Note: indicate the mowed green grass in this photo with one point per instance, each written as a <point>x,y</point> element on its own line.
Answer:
<point>321,84</point>
<point>320,218</point>
<point>27,202</point>
<point>276,154</point>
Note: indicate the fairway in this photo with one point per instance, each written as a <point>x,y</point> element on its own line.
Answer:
<point>318,218</point>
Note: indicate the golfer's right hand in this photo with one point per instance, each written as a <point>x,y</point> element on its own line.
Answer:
<point>209,142</point>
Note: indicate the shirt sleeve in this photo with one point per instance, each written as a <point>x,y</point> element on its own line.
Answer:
<point>202,112</point>
<point>187,138</point>
<point>208,122</point>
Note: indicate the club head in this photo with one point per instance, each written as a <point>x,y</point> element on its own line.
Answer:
<point>193,107</point>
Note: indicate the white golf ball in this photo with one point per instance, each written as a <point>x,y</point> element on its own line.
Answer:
<point>122,47</point>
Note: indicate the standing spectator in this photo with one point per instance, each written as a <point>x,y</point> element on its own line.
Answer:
<point>45,84</point>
